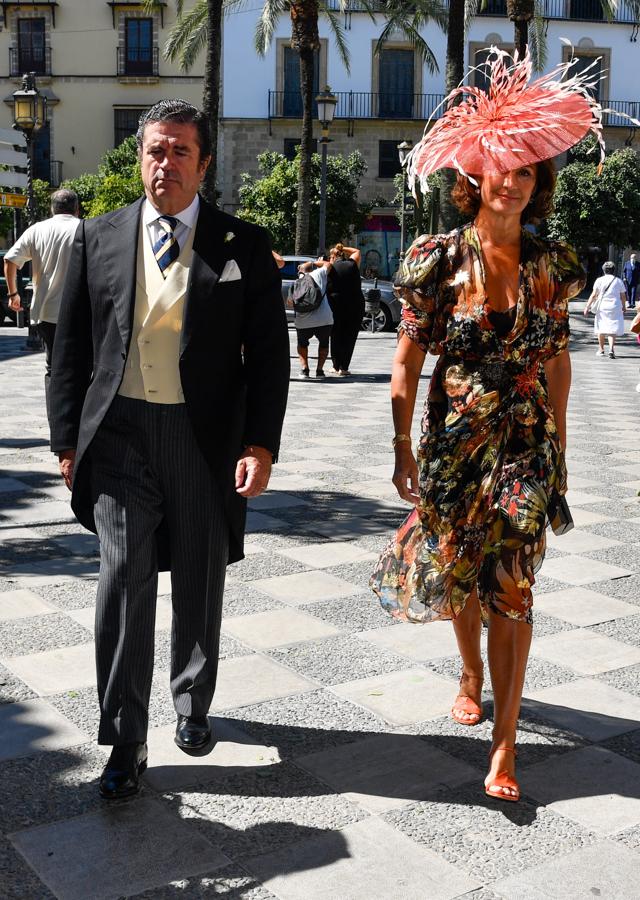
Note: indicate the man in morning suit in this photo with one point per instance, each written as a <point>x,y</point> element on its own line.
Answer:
<point>169,385</point>
<point>631,278</point>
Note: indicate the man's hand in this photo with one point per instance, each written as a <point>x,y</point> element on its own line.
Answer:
<point>253,471</point>
<point>67,459</point>
<point>405,475</point>
<point>15,303</point>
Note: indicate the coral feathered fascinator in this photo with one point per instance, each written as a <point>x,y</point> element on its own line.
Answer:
<point>516,123</point>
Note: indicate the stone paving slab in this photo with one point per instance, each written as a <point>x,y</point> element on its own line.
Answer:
<point>106,869</point>
<point>32,726</point>
<point>587,652</point>
<point>582,607</point>
<point>592,786</point>
<point>21,604</point>
<point>592,709</point>
<point>55,670</point>
<point>387,772</point>
<point>401,698</point>
<point>368,859</point>
<point>605,870</point>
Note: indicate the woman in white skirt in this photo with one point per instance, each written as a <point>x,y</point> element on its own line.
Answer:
<point>610,301</point>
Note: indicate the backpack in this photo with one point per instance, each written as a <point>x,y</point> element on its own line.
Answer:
<point>305,295</point>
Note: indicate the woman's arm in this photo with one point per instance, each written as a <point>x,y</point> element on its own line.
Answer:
<point>354,254</point>
<point>623,300</point>
<point>407,366</point>
<point>594,294</point>
<point>558,372</point>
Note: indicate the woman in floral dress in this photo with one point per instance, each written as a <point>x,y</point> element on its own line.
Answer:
<point>491,301</point>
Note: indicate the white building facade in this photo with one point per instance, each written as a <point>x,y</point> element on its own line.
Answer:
<point>386,98</point>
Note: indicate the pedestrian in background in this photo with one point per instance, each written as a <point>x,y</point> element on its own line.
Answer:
<point>347,303</point>
<point>631,278</point>
<point>318,322</point>
<point>609,298</point>
<point>47,245</point>
<point>165,422</point>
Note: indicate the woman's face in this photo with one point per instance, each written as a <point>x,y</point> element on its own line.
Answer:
<point>508,194</point>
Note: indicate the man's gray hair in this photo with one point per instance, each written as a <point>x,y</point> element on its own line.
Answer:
<point>64,201</point>
<point>175,110</point>
<point>608,267</point>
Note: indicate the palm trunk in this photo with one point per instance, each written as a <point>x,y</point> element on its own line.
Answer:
<point>521,12</point>
<point>306,148</point>
<point>454,73</point>
<point>211,92</point>
<point>306,40</point>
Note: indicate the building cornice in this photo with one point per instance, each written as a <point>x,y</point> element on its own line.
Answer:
<point>128,4</point>
<point>29,4</point>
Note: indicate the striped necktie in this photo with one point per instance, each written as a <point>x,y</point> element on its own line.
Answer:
<point>166,248</point>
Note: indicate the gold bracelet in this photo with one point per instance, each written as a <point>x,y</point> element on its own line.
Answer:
<point>400,439</point>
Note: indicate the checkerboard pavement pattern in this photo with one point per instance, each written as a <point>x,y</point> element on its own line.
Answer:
<point>337,772</point>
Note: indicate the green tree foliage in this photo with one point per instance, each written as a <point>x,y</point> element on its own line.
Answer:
<point>116,183</point>
<point>595,210</point>
<point>270,199</point>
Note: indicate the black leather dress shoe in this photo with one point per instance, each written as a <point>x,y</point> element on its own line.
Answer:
<point>193,735</point>
<point>121,775</point>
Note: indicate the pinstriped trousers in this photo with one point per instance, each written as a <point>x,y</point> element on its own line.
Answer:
<point>147,470</point>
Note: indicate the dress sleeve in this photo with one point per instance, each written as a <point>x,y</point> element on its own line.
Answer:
<point>567,278</point>
<point>417,285</point>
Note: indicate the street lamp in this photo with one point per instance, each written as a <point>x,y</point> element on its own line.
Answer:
<point>403,152</point>
<point>326,102</point>
<point>29,115</point>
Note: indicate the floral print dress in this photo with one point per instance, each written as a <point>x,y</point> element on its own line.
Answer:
<point>489,456</point>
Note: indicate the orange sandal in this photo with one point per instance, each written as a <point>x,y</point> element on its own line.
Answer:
<point>468,706</point>
<point>503,780</point>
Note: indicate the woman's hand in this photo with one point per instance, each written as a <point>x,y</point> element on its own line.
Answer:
<point>405,474</point>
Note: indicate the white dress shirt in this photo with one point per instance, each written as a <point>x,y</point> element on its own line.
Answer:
<point>187,219</point>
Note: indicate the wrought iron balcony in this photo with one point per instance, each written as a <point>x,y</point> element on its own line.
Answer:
<point>31,59</point>
<point>573,10</point>
<point>138,63</point>
<point>359,105</point>
<point>364,105</point>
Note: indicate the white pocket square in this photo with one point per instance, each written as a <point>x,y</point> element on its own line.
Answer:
<point>231,271</point>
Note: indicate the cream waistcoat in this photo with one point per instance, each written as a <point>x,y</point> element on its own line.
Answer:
<point>151,371</point>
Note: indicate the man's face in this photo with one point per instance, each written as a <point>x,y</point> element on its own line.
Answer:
<point>633,258</point>
<point>171,166</point>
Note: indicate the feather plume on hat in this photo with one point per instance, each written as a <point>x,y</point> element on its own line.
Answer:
<point>516,123</point>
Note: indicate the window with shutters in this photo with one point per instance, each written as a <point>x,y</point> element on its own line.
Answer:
<point>396,88</point>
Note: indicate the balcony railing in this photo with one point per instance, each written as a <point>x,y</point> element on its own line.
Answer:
<point>138,63</point>
<point>35,59</point>
<point>627,107</point>
<point>359,105</point>
<point>363,105</point>
<point>576,10</point>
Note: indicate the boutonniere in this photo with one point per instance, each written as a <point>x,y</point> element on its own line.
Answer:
<point>229,236</point>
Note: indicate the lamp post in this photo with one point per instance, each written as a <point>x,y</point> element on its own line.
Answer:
<point>29,115</point>
<point>326,102</point>
<point>403,152</point>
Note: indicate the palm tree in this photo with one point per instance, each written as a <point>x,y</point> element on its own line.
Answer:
<point>405,18</point>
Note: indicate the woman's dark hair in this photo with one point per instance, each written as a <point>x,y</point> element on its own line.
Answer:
<point>466,195</point>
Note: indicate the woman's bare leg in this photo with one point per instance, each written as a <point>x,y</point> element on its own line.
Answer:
<point>508,647</point>
<point>468,628</point>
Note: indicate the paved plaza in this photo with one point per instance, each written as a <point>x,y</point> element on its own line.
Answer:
<point>338,772</point>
